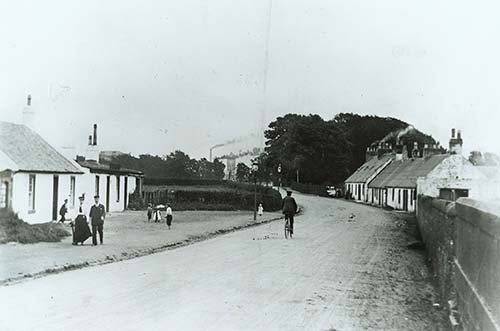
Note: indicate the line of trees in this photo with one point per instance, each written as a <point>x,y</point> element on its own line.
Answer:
<point>174,165</point>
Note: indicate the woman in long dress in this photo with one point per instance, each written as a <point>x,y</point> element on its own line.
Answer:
<point>81,229</point>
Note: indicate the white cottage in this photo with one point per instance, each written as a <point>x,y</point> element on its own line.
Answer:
<point>34,177</point>
<point>357,184</point>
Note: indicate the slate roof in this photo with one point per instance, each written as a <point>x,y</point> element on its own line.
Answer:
<point>23,149</point>
<point>405,173</point>
<point>105,168</point>
<point>368,169</point>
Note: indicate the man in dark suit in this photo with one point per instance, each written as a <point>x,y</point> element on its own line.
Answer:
<point>97,215</point>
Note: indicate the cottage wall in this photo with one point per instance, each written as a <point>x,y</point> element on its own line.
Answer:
<point>398,202</point>
<point>116,202</point>
<point>43,196</point>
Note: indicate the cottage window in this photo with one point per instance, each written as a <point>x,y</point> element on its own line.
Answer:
<point>31,193</point>
<point>117,188</point>
<point>72,189</point>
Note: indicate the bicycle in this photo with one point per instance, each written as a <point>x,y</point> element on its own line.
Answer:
<point>287,228</point>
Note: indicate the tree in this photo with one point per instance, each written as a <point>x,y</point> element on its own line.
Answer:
<point>242,172</point>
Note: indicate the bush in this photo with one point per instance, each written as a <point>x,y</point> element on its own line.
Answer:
<point>310,189</point>
<point>14,229</point>
<point>136,202</point>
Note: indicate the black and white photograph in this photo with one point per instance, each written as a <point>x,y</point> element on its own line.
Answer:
<point>288,165</point>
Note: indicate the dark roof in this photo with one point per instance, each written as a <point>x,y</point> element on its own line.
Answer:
<point>368,169</point>
<point>106,168</point>
<point>25,149</point>
<point>404,173</point>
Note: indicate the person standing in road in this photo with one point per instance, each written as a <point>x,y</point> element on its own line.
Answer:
<point>63,211</point>
<point>150,212</point>
<point>260,210</point>
<point>289,207</point>
<point>97,215</point>
<point>170,216</point>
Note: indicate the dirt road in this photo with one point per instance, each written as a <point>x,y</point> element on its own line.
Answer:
<point>347,268</point>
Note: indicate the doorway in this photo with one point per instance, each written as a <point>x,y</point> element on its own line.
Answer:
<point>405,200</point>
<point>108,184</point>
<point>125,193</point>
<point>55,197</point>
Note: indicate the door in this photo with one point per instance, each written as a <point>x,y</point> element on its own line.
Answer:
<point>108,185</point>
<point>125,193</point>
<point>55,196</point>
<point>405,200</point>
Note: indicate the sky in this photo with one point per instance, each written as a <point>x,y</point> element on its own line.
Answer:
<point>161,75</point>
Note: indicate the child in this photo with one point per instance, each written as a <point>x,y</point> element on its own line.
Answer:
<point>150,212</point>
<point>157,215</point>
<point>261,209</point>
<point>169,216</point>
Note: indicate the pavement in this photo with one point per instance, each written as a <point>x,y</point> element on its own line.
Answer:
<point>126,235</point>
<point>347,268</point>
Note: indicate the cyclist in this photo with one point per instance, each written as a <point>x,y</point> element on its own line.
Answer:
<point>289,207</point>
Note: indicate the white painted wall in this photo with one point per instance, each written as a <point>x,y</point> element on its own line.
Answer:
<point>456,172</point>
<point>398,201</point>
<point>88,186</point>
<point>43,196</point>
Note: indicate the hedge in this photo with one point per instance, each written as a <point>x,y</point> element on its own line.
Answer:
<point>182,181</point>
<point>310,189</point>
<point>240,199</point>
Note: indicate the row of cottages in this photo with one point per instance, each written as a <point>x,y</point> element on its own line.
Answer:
<point>356,185</point>
<point>429,172</point>
<point>35,178</point>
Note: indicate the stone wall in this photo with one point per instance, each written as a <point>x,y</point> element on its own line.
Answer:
<point>463,246</point>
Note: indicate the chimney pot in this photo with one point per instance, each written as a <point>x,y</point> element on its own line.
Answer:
<point>90,140</point>
<point>459,134</point>
<point>453,133</point>
<point>29,99</point>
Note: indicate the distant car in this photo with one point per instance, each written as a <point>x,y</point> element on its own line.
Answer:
<point>332,191</point>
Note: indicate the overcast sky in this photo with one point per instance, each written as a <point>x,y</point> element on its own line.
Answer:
<point>187,74</point>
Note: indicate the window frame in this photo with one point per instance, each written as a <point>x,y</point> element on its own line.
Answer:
<point>31,193</point>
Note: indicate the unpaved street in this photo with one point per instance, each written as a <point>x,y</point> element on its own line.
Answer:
<point>347,268</point>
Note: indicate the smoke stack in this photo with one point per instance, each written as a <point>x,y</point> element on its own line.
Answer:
<point>95,135</point>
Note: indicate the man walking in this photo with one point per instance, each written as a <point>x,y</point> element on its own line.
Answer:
<point>97,215</point>
<point>289,207</point>
<point>63,211</point>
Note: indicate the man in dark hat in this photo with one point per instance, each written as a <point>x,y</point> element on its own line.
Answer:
<point>289,207</point>
<point>97,215</point>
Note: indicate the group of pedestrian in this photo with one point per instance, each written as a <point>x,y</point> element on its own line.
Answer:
<point>80,224</point>
<point>154,214</point>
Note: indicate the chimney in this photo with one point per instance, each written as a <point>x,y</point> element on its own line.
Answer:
<point>371,152</point>
<point>456,143</point>
<point>383,150</point>
<point>90,140</point>
<point>29,114</point>
<point>95,135</point>
<point>414,152</point>
<point>432,149</point>
<point>404,153</point>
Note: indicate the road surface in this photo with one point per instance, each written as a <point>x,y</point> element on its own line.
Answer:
<point>347,268</point>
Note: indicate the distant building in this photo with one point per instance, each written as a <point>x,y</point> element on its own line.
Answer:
<point>35,178</point>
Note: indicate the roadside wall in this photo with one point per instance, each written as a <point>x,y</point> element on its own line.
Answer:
<point>463,246</point>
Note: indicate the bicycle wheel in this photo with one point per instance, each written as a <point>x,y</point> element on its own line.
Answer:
<point>287,229</point>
